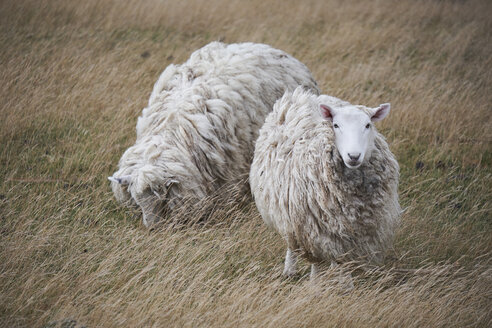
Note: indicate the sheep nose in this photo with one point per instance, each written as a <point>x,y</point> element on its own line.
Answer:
<point>354,157</point>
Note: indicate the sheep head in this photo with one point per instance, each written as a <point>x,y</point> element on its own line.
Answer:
<point>354,130</point>
<point>140,187</point>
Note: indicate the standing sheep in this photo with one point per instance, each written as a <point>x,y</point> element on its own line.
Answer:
<point>198,132</point>
<point>325,179</point>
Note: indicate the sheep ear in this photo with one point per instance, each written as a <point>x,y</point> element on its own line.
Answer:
<point>171,182</point>
<point>123,180</point>
<point>167,184</point>
<point>327,112</point>
<point>381,112</point>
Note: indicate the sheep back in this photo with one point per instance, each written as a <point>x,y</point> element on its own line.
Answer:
<point>203,118</point>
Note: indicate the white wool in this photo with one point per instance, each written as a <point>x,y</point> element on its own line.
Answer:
<point>302,188</point>
<point>201,123</point>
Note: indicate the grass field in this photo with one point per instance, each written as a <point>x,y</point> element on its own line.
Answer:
<point>74,77</point>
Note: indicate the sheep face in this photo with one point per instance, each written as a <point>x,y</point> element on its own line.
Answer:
<point>354,130</point>
<point>152,206</point>
<point>153,203</point>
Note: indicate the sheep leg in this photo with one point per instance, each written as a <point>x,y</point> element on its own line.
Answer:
<point>290,264</point>
<point>314,271</point>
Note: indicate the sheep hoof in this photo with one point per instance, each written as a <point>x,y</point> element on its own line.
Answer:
<point>289,273</point>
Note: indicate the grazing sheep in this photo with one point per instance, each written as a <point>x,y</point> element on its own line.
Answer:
<point>198,132</point>
<point>324,178</point>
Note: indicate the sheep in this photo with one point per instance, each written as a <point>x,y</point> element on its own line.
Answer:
<point>198,131</point>
<point>325,180</point>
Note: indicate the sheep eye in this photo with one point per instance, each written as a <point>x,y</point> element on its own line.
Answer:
<point>335,126</point>
<point>368,126</point>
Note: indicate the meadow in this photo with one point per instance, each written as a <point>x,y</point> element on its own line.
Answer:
<point>75,75</point>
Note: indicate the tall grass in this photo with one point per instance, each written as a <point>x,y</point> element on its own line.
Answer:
<point>75,76</point>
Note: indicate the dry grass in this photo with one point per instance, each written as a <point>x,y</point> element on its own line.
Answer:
<point>76,74</point>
